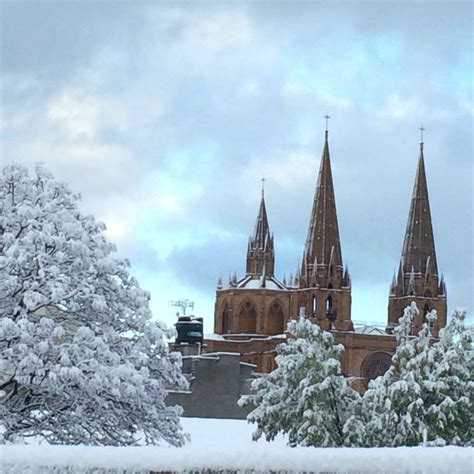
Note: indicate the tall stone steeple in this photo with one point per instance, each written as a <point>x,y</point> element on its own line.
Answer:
<point>325,283</point>
<point>417,277</point>
<point>418,246</point>
<point>322,259</point>
<point>260,251</point>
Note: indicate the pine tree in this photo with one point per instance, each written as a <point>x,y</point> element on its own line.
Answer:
<point>426,397</point>
<point>306,396</point>
<point>450,415</point>
<point>81,361</point>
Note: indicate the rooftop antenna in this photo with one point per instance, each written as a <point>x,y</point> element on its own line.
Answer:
<point>183,305</point>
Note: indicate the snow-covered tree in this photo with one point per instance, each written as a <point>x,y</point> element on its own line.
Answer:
<point>81,361</point>
<point>426,397</point>
<point>450,416</point>
<point>306,396</point>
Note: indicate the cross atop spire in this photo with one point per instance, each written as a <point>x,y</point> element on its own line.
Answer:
<point>422,129</point>
<point>327,117</point>
<point>263,186</point>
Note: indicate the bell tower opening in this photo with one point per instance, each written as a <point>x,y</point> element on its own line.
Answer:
<point>329,304</point>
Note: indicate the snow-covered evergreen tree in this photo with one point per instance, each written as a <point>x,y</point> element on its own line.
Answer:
<point>305,396</point>
<point>391,412</point>
<point>426,397</point>
<point>81,361</point>
<point>450,416</point>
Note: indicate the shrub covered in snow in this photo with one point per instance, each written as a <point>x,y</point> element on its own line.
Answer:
<point>425,398</point>
<point>306,396</point>
<point>80,359</point>
<point>427,395</point>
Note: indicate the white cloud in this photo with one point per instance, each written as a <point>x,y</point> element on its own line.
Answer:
<point>84,112</point>
<point>77,113</point>
<point>397,107</point>
<point>287,171</point>
<point>116,229</point>
<point>212,43</point>
<point>326,98</point>
<point>168,203</point>
<point>157,123</point>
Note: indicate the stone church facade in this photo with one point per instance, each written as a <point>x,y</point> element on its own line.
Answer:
<point>251,313</point>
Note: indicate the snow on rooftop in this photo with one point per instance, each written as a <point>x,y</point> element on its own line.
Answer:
<point>271,283</point>
<point>242,337</point>
<point>370,330</point>
<point>214,337</point>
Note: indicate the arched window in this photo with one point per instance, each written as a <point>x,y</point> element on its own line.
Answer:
<point>247,318</point>
<point>428,294</point>
<point>374,365</point>
<point>225,319</point>
<point>314,304</point>
<point>275,319</point>
<point>329,303</point>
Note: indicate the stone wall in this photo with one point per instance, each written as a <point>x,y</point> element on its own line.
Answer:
<point>358,348</point>
<point>217,381</point>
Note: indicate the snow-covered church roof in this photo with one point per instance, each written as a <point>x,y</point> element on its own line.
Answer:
<point>370,329</point>
<point>253,282</point>
<point>268,282</point>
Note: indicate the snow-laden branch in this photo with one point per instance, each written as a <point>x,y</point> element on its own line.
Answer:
<point>81,361</point>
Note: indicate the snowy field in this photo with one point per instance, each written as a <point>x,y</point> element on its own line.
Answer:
<point>225,445</point>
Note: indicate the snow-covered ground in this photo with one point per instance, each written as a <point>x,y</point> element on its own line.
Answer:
<point>226,444</point>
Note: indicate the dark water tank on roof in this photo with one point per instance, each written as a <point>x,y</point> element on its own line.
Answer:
<point>189,329</point>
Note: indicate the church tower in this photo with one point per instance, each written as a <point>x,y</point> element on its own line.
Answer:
<point>417,278</point>
<point>324,286</point>
<point>260,251</point>
<point>256,304</point>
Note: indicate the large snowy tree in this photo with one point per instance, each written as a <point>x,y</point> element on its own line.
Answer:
<point>81,361</point>
<point>451,414</point>
<point>427,395</point>
<point>306,396</point>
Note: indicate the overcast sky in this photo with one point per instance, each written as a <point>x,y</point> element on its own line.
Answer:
<point>165,116</point>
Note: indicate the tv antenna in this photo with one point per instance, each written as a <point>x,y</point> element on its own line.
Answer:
<point>183,305</point>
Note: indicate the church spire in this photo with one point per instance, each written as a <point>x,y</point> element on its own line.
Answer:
<point>418,245</point>
<point>260,252</point>
<point>323,243</point>
<point>417,278</point>
<point>262,229</point>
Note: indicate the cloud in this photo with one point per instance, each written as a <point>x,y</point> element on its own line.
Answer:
<point>165,117</point>
<point>288,170</point>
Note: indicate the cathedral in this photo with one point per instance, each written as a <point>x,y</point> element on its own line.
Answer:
<point>251,313</point>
